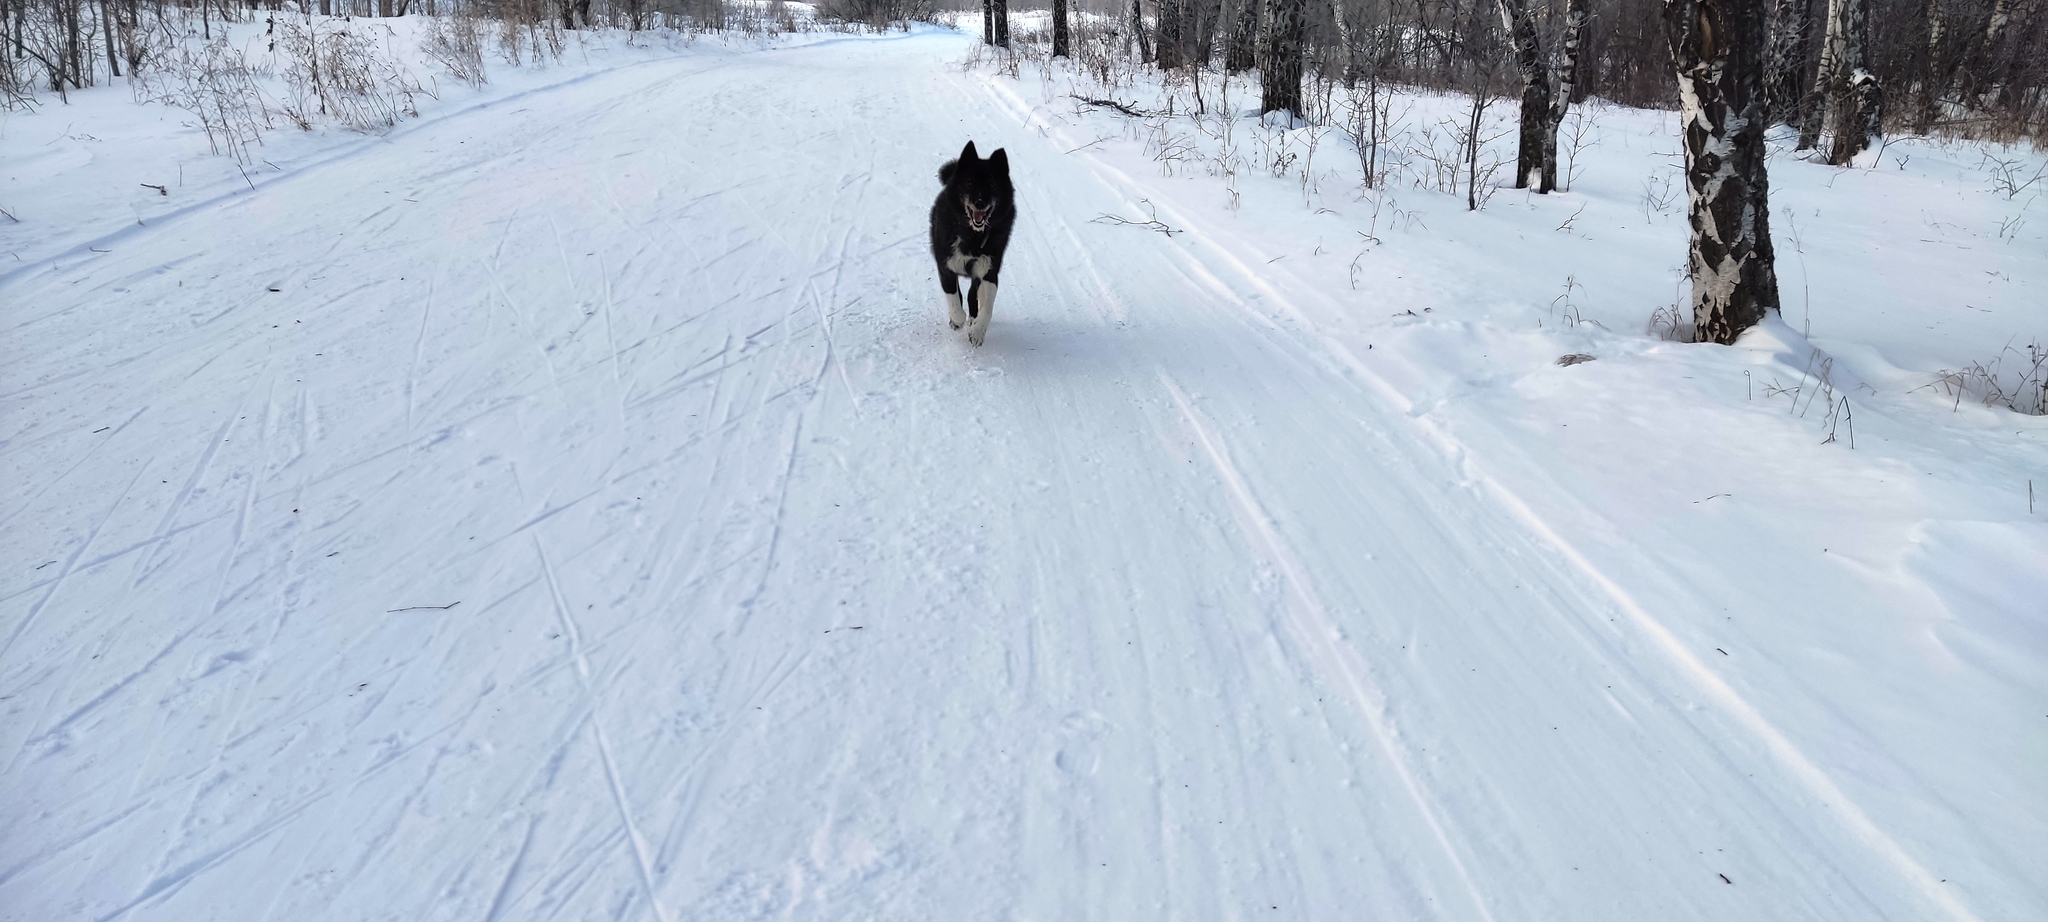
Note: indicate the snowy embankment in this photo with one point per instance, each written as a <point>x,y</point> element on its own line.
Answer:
<point>572,504</point>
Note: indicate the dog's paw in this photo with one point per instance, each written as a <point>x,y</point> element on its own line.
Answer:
<point>955,324</point>
<point>975,335</point>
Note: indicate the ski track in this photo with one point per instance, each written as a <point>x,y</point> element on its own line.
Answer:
<point>1313,630</point>
<point>1159,605</point>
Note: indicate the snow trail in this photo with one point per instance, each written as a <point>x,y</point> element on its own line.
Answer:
<point>1370,700</point>
<point>1313,630</point>
<point>1161,604</point>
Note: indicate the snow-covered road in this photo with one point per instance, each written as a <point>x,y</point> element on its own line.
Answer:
<point>578,508</point>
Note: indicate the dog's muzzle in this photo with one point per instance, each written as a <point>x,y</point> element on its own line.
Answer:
<point>977,218</point>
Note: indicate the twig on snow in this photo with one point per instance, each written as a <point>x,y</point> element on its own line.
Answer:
<point>1151,220</point>
<point>1113,104</point>
<point>424,607</point>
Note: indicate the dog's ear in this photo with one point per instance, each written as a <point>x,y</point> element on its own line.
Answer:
<point>999,162</point>
<point>967,154</point>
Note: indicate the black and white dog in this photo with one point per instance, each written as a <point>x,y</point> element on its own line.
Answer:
<point>971,224</point>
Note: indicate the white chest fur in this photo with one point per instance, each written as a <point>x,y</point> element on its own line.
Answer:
<point>962,264</point>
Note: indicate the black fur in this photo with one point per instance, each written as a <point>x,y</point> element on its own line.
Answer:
<point>972,184</point>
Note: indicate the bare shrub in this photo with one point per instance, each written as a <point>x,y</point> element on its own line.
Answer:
<point>17,83</point>
<point>1374,128</point>
<point>2014,379</point>
<point>1099,49</point>
<point>701,15</point>
<point>1660,194</point>
<point>879,14</point>
<point>215,84</point>
<point>1581,129</point>
<point>457,44</point>
<point>1457,155</point>
<point>531,29</point>
<point>341,73</point>
<point>2010,176</point>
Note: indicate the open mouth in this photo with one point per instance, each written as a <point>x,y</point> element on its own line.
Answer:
<point>977,218</point>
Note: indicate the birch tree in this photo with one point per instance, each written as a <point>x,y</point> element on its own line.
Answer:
<point>1207,17</point>
<point>1935,68</point>
<point>1987,70</point>
<point>1846,96</point>
<point>1575,19</point>
<point>107,30</point>
<point>1138,31</point>
<point>1241,49</point>
<point>1785,86</point>
<point>1171,34</point>
<point>1280,65</point>
<point>1345,43</point>
<point>1521,35</point>
<point>1546,95</point>
<point>1718,48</point>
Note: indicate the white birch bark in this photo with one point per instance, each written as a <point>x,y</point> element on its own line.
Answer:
<point>1783,89</point>
<point>1344,40</point>
<point>1718,48</point>
<point>1520,24</point>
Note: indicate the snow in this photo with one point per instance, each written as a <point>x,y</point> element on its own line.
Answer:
<point>572,504</point>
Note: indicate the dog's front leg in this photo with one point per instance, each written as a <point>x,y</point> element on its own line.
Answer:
<point>984,307</point>
<point>956,312</point>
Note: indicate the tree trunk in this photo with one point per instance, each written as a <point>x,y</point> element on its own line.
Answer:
<point>1986,70</point>
<point>1059,29</point>
<point>1813,107</point>
<point>1575,18</point>
<point>1138,32</point>
<point>1208,15</point>
<point>1171,34</point>
<point>1241,50</point>
<point>1859,118</point>
<point>74,59</point>
<point>1850,94</point>
<point>1535,127</point>
<point>988,22</point>
<point>1002,18</point>
<point>1280,67</point>
<point>2001,19</point>
<point>107,29</point>
<point>1784,89</point>
<point>1935,68</point>
<point>1717,46</point>
<point>1481,95</point>
<point>1345,48</point>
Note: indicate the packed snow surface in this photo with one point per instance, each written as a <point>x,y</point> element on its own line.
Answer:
<point>572,505</point>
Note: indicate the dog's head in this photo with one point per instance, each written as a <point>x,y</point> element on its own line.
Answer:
<point>978,184</point>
